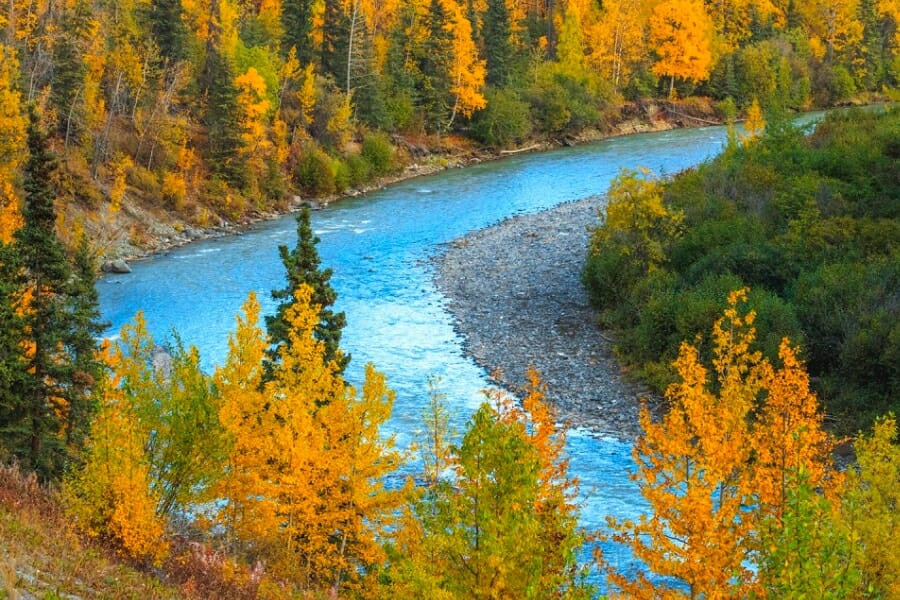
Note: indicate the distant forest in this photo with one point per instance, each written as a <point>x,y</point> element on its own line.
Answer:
<point>212,109</point>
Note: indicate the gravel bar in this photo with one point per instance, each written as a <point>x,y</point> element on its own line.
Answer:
<point>516,294</point>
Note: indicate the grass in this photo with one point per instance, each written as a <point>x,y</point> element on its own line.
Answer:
<point>41,556</point>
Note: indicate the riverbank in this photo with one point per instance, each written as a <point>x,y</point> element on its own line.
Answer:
<point>144,229</point>
<point>516,295</point>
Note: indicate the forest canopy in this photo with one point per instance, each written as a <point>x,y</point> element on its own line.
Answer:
<point>809,221</point>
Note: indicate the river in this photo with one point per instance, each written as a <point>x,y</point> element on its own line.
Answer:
<point>379,246</point>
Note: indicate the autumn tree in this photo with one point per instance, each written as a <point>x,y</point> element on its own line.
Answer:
<point>111,496</point>
<point>302,266</point>
<point>635,222</point>
<point>869,509</point>
<point>680,32</point>
<point>755,123</point>
<point>305,483</point>
<point>729,471</point>
<point>467,71</point>
<point>504,524</point>
<point>154,448</point>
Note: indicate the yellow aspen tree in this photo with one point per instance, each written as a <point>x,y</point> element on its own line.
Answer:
<point>358,511</point>
<point>557,492</point>
<point>832,25</point>
<point>691,465</point>
<point>755,123</point>
<point>789,425</point>
<point>869,509</point>
<point>619,39</point>
<point>12,143</point>
<point>681,33</point>
<point>111,495</point>
<point>243,415</point>
<point>119,166</point>
<point>307,96</point>
<point>254,108</point>
<point>570,50</point>
<point>467,71</point>
<point>307,463</point>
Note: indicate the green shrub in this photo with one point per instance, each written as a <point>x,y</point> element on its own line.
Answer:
<point>341,174</point>
<point>378,152</point>
<point>506,119</point>
<point>359,169</point>
<point>314,173</point>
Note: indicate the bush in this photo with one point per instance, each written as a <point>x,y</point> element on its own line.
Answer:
<point>378,152</point>
<point>341,174</point>
<point>359,169</point>
<point>313,173</point>
<point>506,119</point>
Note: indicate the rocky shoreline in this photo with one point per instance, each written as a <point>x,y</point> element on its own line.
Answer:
<point>162,231</point>
<point>516,294</point>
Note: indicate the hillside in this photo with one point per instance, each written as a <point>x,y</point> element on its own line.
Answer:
<point>176,117</point>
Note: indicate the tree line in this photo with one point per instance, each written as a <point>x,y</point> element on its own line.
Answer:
<point>216,108</point>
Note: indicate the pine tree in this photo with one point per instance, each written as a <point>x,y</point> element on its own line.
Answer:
<point>45,279</point>
<point>302,265</point>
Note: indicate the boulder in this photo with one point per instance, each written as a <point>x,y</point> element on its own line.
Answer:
<point>117,266</point>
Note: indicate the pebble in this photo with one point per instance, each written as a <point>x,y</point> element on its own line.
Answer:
<point>516,294</point>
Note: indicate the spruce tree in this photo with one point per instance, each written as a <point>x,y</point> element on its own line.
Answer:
<point>85,327</point>
<point>45,280</point>
<point>335,41</point>
<point>13,409</point>
<point>296,20</point>
<point>498,48</point>
<point>303,266</point>
<point>168,29</point>
<point>434,63</point>
<point>222,120</point>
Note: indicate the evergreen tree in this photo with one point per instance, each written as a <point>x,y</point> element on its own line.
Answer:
<point>85,327</point>
<point>302,265</point>
<point>498,48</point>
<point>335,41</point>
<point>296,19</point>
<point>223,120</point>
<point>44,279</point>
<point>13,410</point>
<point>434,63</point>
<point>167,28</point>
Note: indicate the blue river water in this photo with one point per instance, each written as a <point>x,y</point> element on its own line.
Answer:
<point>379,246</point>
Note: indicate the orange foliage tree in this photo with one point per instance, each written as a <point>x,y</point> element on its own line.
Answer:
<point>712,470</point>
<point>681,32</point>
<point>304,484</point>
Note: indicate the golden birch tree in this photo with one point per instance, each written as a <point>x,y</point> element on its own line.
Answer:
<point>681,33</point>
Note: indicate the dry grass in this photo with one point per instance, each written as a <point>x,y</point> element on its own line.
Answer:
<point>42,557</point>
